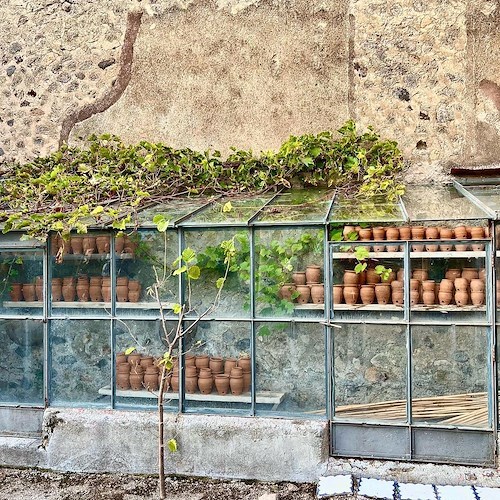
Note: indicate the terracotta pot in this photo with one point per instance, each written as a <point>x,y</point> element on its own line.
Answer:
<point>417,232</point>
<point>236,371</point>
<point>134,358</point>
<point>452,274</point>
<point>216,364</point>
<point>470,273</point>
<point>121,358</point>
<point>420,274</point>
<point>462,247</point>
<point>383,293</point>
<point>318,294</point>
<point>229,364</point>
<point>146,361</point>
<point>432,233</point>
<point>191,383</point>
<point>205,384</point>
<point>482,274</point>
<point>130,244</point>
<point>119,244</point>
<point>69,292</point>
<point>122,281</point>
<point>477,247</point>
<point>461,284</point>
<point>174,382</point>
<point>351,277</point>
<point>351,294</point>
<point>286,291</point>
<point>89,245</point>
<point>123,381</point>
<point>398,296</point>
<point>76,243</point>
<point>400,275</point>
<point>56,292</point>
<point>236,384</point>
<point>299,278</point>
<point>477,298</point>
<point>461,298</point>
<point>102,243</point>
<point>460,232</point>
<point>429,297</point>
<point>414,284</point>
<point>418,248</point>
<point>392,233</point>
<point>431,248</point>
<point>338,294</point>
<point>29,292</point>
<point>313,274</point>
<point>247,381</point>
<point>191,371</point>
<point>365,234</point>
<point>392,248</point>
<point>83,292</point>
<point>428,285</point>
<point>305,294</point>
<point>202,361</point>
<point>347,231</point>
<point>446,285</point>
<point>390,278</point>
<point>106,293</point>
<point>39,288</point>
<point>136,378</point>
<point>245,363</point>
<point>414,297</point>
<point>134,296</point>
<point>405,233</point>
<point>134,285</point>
<point>122,293</point>
<point>397,285</point>
<point>498,292</point>
<point>379,233</point>
<point>445,297</point>
<point>222,384</point>
<point>367,293</point>
<point>476,233</point>
<point>372,278</point>
<point>151,378</point>
<point>189,360</point>
<point>446,233</point>
<point>477,285</point>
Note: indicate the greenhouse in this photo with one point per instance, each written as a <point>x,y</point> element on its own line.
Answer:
<point>377,317</point>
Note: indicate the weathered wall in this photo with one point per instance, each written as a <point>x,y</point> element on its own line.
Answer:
<point>250,72</point>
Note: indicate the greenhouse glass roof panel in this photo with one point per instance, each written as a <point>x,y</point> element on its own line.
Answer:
<point>228,211</point>
<point>373,209</point>
<point>173,210</point>
<point>487,196</point>
<point>439,203</point>
<point>298,205</point>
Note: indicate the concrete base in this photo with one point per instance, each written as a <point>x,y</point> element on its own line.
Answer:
<point>222,447</point>
<point>21,421</point>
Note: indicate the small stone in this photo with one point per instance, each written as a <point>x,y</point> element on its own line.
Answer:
<point>10,70</point>
<point>10,123</point>
<point>444,114</point>
<point>32,93</point>
<point>66,6</point>
<point>63,78</point>
<point>80,75</point>
<point>423,116</point>
<point>24,104</point>
<point>2,152</point>
<point>15,47</point>
<point>106,63</point>
<point>402,94</point>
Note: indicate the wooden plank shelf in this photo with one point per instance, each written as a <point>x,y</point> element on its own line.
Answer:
<point>262,397</point>
<point>416,308</point>
<point>416,255</point>
<point>90,305</point>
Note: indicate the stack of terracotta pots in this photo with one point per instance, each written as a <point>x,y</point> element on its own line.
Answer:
<point>136,372</point>
<point>307,284</point>
<point>88,244</point>
<point>408,233</point>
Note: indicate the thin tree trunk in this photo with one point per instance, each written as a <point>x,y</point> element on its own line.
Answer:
<point>161,445</point>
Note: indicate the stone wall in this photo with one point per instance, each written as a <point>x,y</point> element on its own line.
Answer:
<point>249,73</point>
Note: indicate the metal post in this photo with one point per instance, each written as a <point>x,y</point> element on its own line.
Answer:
<point>253,390</point>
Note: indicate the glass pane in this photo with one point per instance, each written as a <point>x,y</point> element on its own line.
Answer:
<point>289,272</point>
<point>365,210</point>
<point>172,211</point>
<point>446,286</point>
<point>298,205</point>
<point>218,346</point>
<point>488,195</point>
<point>21,282</point>
<point>235,296</point>
<point>76,265</point>
<point>228,210</point>
<point>439,203</point>
<point>137,275</point>
<point>450,375</point>
<point>290,361</point>
<point>138,386</point>
<point>80,362</point>
<point>370,372</point>
<point>21,359</point>
<point>368,281</point>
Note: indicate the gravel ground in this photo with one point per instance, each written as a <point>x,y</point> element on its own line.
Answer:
<point>31,484</point>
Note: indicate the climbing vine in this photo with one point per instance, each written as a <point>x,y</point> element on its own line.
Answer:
<point>106,181</point>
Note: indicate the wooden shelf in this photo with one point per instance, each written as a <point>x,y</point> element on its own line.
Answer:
<point>416,255</point>
<point>417,308</point>
<point>262,397</point>
<point>91,305</point>
<point>309,307</point>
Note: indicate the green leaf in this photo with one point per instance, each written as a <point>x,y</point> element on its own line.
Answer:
<point>97,211</point>
<point>162,226</point>
<point>158,218</point>
<point>130,350</point>
<point>359,268</point>
<point>353,236</point>
<point>194,272</point>
<point>227,207</point>
<point>188,255</point>
<point>177,308</point>
<point>361,253</point>
<point>220,283</point>
<point>172,445</point>
<point>181,270</point>
<point>336,235</point>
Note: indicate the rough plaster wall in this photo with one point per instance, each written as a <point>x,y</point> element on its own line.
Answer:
<point>207,77</point>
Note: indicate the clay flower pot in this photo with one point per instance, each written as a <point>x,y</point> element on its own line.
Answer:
<point>432,233</point>
<point>397,285</point>
<point>122,293</point>
<point>286,291</point>
<point>106,293</point>
<point>470,273</point>
<point>299,278</point>
<point>351,277</point>
<point>102,243</point>
<point>133,285</point>
<point>477,285</point>
<point>318,293</point>
<point>429,297</point>
<point>446,233</point>
<point>477,298</point>
<point>398,296</point>
<point>445,297</point>
<point>119,244</point>
<point>174,381</point>
<point>365,234</point>
<point>89,245</point>
<point>414,297</point>
<point>205,383</point>
<point>420,274</point>
<point>191,383</point>
<point>383,293</point>
<point>69,291</point>
<point>146,361</point>
<point>122,381</point>
<point>134,359</point>
<point>417,232</point>
<point>305,294</point>
<point>372,278</point>
<point>351,294</point>
<point>29,292</point>
<point>405,233</point>
<point>229,364</point>
<point>133,296</point>
<point>136,378</point>
<point>151,378</point>
<point>461,284</point>
<point>461,298</point>
<point>400,275</point>
<point>245,363</point>
<point>313,274</point>
<point>460,232</point>
<point>446,285</point>
<point>338,294</point>
<point>216,364</point>
<point>222,384</point>
<point>390,277</point>
<point>367,293</point>
<point>428,285</point>
<point>379,233</point>
<point>236,384</point>
<point>452,274</point>
<point>189,360</point>
<point>202,361</point>
<point>392,233</point>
